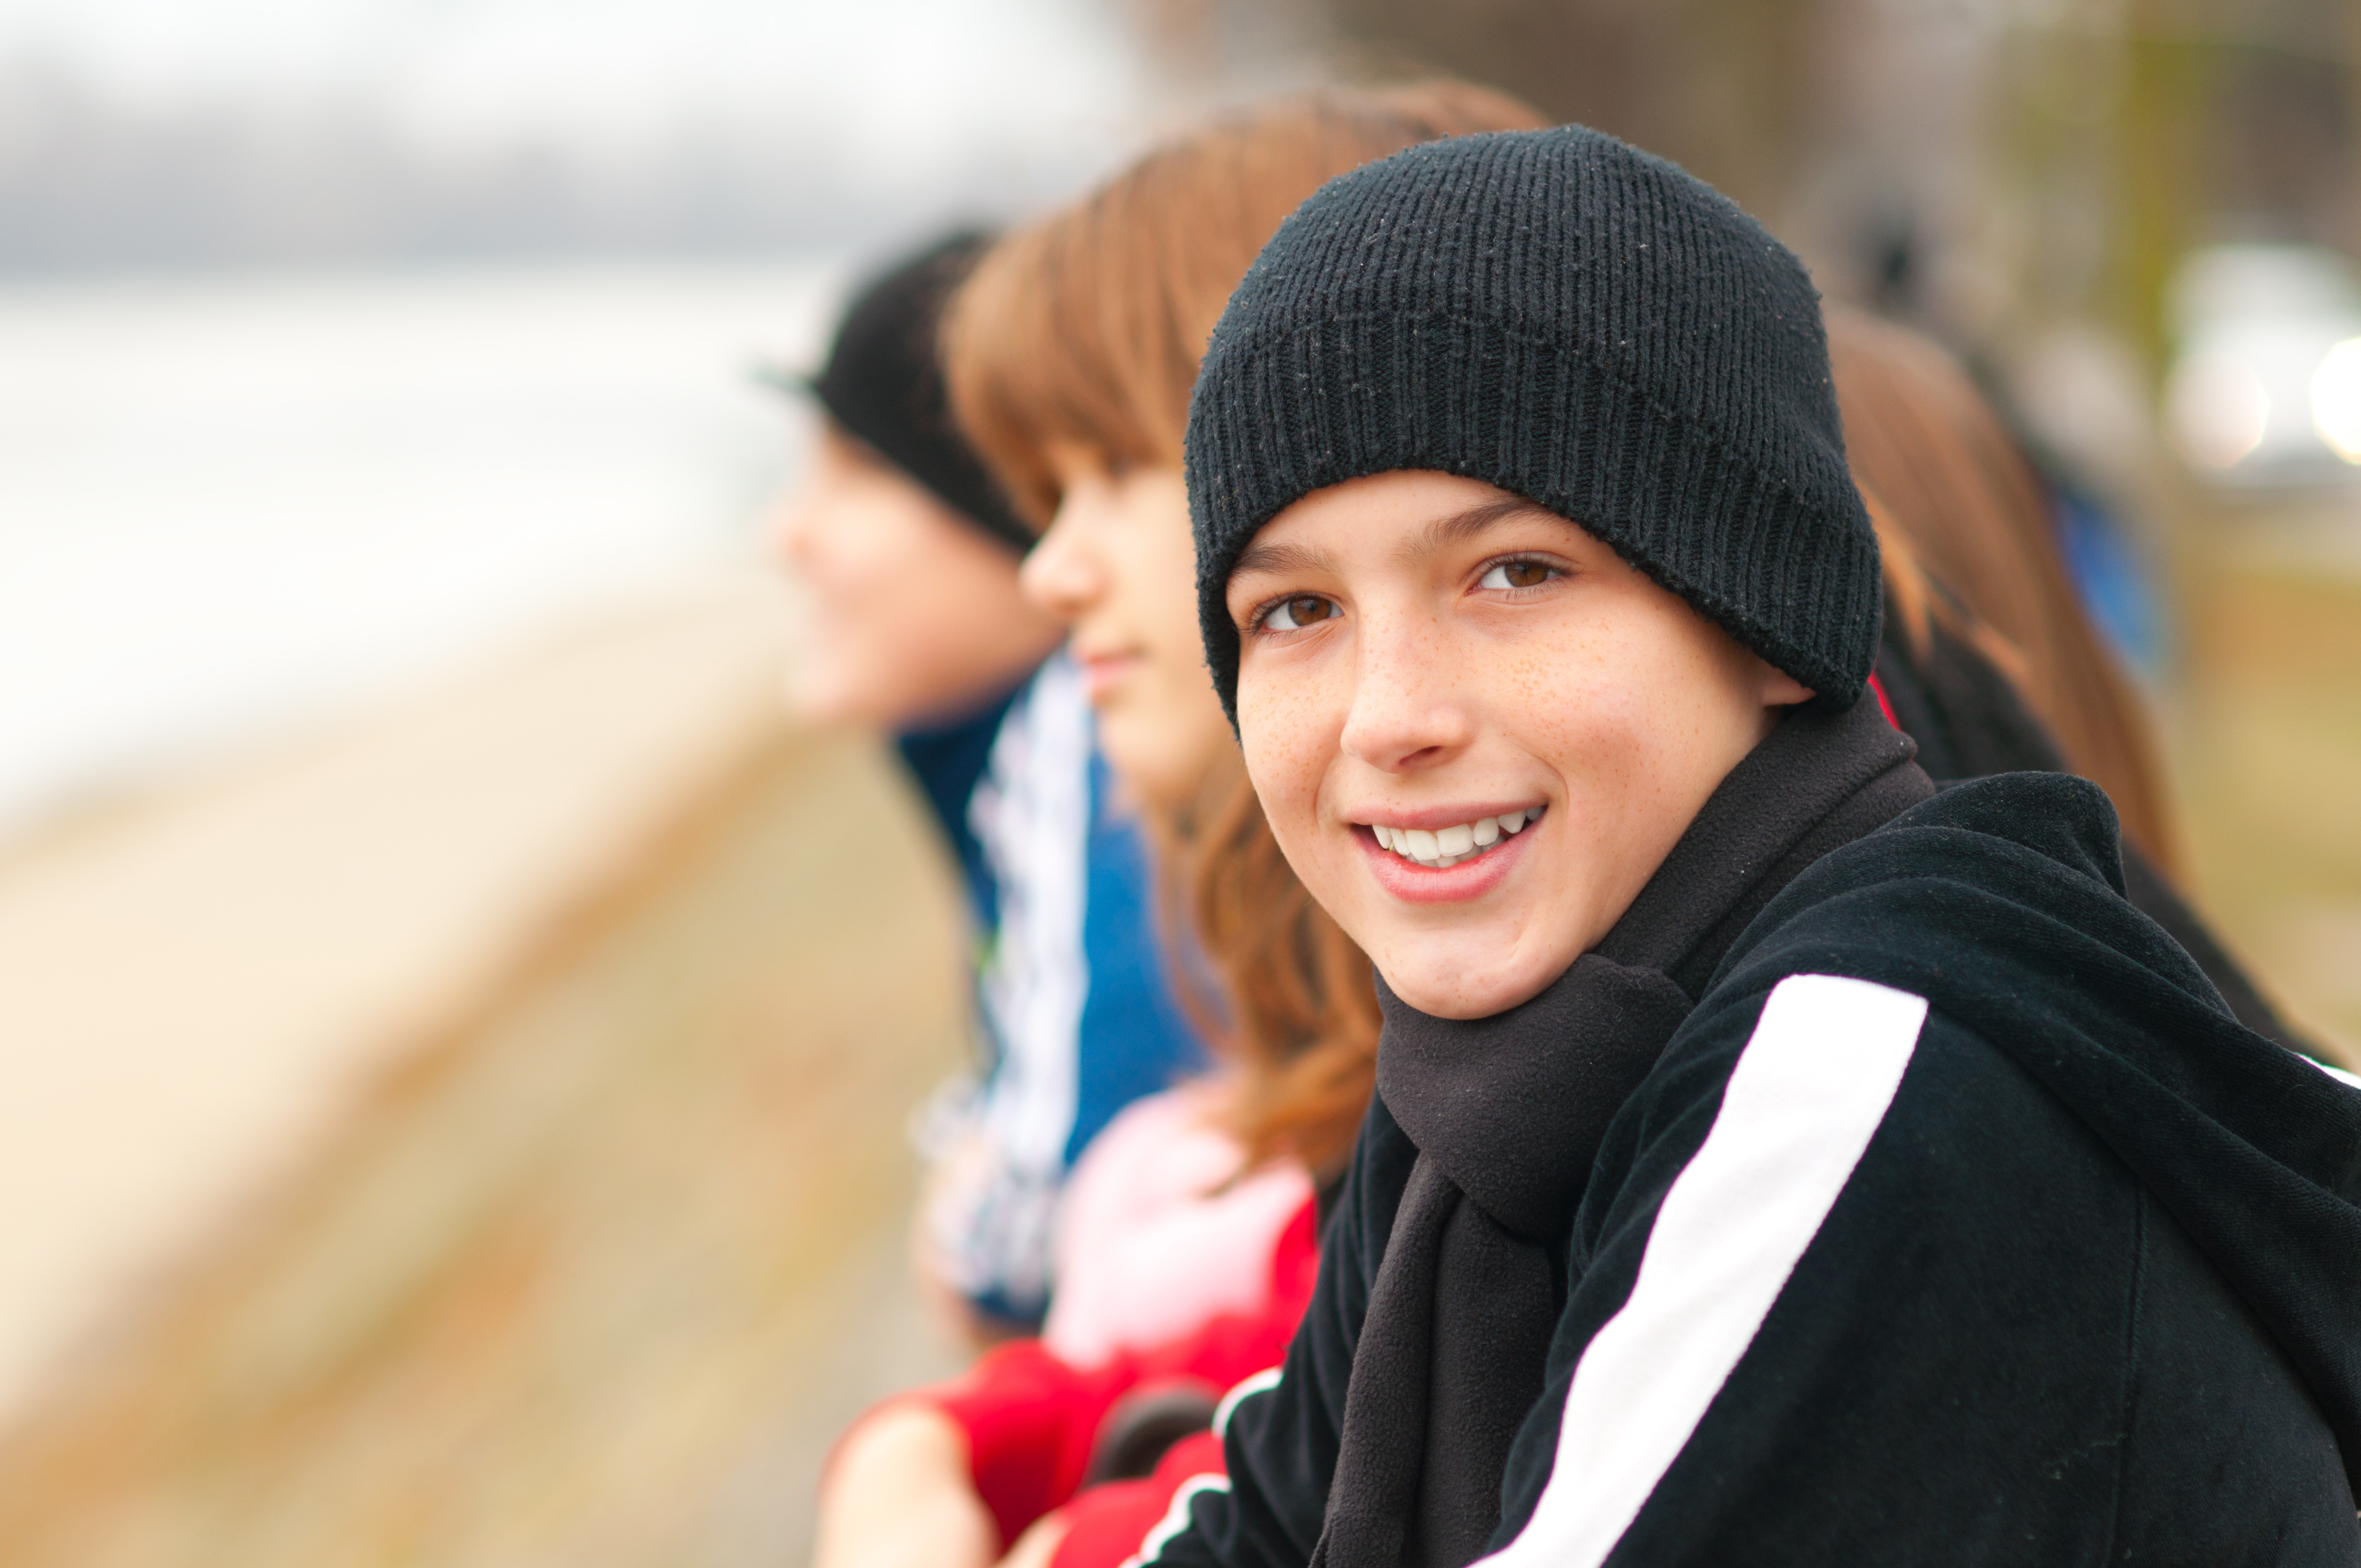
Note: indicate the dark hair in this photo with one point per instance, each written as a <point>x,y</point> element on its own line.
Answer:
<point>882,383</point>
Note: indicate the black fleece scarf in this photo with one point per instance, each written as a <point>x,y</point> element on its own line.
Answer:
<point>1507,1114</point>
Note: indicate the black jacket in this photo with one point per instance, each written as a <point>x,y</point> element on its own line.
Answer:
<point>1975,1230</point>
<point>1969,722</point>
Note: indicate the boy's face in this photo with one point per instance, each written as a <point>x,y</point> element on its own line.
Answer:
<point>1431,654</point>
<point>1118,567</point>
<point>914,614</point>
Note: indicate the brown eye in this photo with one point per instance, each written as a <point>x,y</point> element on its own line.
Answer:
<point>1295,614</point>
<point>1517,575</point>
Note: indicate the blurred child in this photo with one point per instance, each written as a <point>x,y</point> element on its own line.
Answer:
<point>1072,353</point>
<point>910,554</point>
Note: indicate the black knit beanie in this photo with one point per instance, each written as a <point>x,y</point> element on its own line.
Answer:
<point>883,383</point>
<point>1578,323</point>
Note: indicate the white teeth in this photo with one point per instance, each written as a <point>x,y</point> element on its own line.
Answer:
<point>1449,846</point>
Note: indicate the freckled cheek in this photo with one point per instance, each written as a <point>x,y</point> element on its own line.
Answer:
<point>1654,724</point>
<point>1571,703</point>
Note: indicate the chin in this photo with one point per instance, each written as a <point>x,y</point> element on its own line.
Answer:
<point>1148,771</point>
<point>1147,781</point>
<point>1449,992</point>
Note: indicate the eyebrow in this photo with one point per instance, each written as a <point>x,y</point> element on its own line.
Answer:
<point>1282,559</point>
<point>1291,559</point>
<point>1462,526</point>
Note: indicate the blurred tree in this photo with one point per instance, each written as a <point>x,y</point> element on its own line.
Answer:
<point>1719,86</point>
<point>2216,120</point>
<point>2156,152</point>
<point>1990,167</point>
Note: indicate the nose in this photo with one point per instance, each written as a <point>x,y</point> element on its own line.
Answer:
<point>1405,715</point>
<point>1061,574</point>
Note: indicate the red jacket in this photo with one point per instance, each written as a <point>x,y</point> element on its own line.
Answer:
<point>1033,1421</point>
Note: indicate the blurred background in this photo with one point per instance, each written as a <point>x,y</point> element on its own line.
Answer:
<point>456,1037</point>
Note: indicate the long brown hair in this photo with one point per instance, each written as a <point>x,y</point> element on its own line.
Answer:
<point>1086,327</point>
<point>1306,1027</point>
<point>1956,502</point>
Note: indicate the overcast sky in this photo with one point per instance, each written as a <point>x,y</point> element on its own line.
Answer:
<point>896,77</point>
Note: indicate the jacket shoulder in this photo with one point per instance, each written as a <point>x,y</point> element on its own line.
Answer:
<point>1996,887</point>
<point>1884,1261</point>
<point>2066,820</point>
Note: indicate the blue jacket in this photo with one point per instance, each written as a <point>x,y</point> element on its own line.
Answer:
<point>1077,1010</point>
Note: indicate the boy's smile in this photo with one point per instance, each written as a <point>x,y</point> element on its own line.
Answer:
<point>1451,864</point>
<point>1477,732</point>
<point>1439,849</point>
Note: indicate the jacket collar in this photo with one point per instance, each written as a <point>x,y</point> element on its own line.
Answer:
<point>1513,1106</point>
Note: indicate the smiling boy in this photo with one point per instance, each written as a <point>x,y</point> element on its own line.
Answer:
<point>1775,1160</point>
